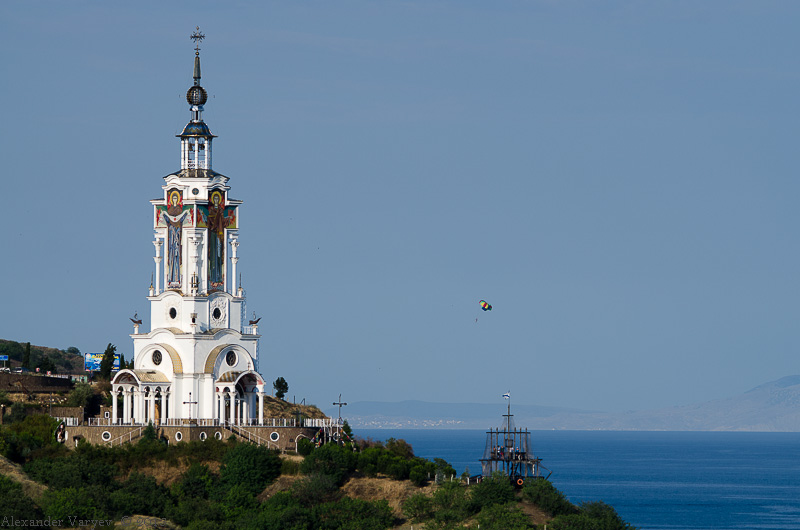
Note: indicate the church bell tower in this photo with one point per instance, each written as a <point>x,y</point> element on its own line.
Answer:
<point>198,362</point>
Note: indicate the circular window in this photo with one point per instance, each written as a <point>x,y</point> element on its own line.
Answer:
<point>173,313</point>
<point>106,436</point>
<point>217,314</point>
<point>156,357</point>
<point>178,436</point>
<point>218,435</point>
<point>195,191</point>
<point>203,436</point>
<point>274,436</point>
<point>230,358</point>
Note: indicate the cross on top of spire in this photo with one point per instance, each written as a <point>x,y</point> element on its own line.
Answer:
<point>197,36</point>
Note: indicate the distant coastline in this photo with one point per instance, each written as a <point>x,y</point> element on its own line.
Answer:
<point>770,407</point>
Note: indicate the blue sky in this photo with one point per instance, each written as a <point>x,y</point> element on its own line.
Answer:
<point>618,179</point>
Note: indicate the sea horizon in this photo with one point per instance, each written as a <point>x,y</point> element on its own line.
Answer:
<point>656,480</point>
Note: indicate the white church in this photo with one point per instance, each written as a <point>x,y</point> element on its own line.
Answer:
<point>197,363</point>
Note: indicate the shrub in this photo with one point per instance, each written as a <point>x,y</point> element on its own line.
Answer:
<point>139,494</point>
<point>71,503</point>
<point>197,482</point>
<point>592,516</point>
<point>503,517</point>
<point>14,502</point>
<point>333,460</point>
<point>400,448</point>
<point>419,507</point>
<point>189,510</point>
<point>544,495</point>
<point>251,466</point>
<point>418,475</point>
<point>349,514</point>
<point>27,435</point>
<point>315,489</point>
<point>304,446</point>
<point>491,491</point>
<point>80,395</point>
<point>451,504</point>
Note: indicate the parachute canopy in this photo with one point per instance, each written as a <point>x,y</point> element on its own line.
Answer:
<point>485,305</point>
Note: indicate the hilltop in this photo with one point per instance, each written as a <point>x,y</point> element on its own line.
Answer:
<point>230,485</point>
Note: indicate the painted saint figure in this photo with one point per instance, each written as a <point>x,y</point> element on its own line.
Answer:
<point>216,240</point>
<point>174,247</point>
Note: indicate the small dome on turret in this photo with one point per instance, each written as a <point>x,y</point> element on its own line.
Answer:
<point>196,95</point>
<point>196,128</point>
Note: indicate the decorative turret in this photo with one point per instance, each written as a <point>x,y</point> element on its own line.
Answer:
<point>196,136</point>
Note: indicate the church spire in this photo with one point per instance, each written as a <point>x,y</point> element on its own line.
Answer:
<point>196,136</point>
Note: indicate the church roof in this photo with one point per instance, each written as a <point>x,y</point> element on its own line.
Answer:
<point>150,376</point>
<point>196,173</point>
<point>228,377</point>
<point>196,128</point>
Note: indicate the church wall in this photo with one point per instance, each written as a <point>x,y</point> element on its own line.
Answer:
<point>282,438</point>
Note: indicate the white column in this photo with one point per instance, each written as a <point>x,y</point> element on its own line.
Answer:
<point>233,407</point>
<point>261,408</point>
<point>114,396</point>
<point>163,407</point>
<point>193,258</point>
<point>245,409</point>
<point>234,261</point>
<point>157,259</point>
<point>126,406</point>
<point>141,407</point>
<point>136,405</point>
<point>208,153</point>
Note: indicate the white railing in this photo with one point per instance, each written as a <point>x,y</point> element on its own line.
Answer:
<point>179,422</point>
<point>100,421</point>
<point>129,437</point>
<point>251,437</point>
<point>69,422</point>
<point>321,422</point>
<point>248,330</point>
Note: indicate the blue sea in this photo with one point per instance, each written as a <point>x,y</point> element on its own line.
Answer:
<point>655,480</point>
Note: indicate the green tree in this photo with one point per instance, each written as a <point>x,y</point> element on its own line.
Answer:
<point>503,517</point>
<point>331,459</point>
<point>419,507</point>
<point>107,364</point>
<point>315,489</point>
<point>80,395</point>
<point>47,365</point>
<point>251,466</point>
<point>544,495</point>
<point>281,387</point>
<point>491,491</point>
<point>14,502</point>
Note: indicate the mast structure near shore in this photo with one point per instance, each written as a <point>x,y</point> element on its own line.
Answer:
<point>509,452</point>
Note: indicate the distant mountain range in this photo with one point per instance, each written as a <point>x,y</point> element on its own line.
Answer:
<point>773,406</point>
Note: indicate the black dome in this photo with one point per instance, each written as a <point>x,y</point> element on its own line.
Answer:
<point>196,95</point>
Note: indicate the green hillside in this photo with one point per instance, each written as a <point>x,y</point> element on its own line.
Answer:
<point>231,485</point>
<point>57,361</point>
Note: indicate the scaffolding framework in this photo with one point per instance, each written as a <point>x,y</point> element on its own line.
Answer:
<point>509,451</point>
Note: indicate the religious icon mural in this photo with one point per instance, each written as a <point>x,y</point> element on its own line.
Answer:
<point>174,202</point>
<point>217,218</point>
<point>173,218</point>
